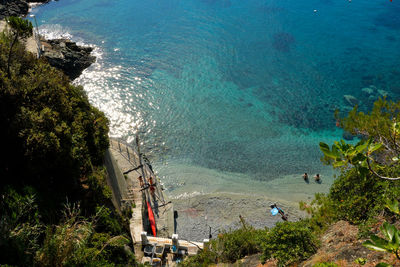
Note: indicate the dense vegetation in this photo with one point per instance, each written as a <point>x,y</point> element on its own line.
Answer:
<point>55,206</point>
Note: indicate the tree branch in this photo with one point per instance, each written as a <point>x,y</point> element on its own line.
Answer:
<point>380,176</point>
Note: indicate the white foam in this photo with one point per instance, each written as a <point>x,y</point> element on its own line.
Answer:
<point>187,195</point>
<point>54,31</point>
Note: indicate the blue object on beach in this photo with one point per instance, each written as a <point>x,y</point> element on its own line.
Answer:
<point>274,211</point>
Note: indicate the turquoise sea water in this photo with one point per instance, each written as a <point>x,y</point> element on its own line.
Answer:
<point>231,88</point>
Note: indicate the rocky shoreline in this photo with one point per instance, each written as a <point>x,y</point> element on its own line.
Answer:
<point>62,54</point>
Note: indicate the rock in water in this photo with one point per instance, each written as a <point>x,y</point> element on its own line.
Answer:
<point>351,100</point>
<point>347,136</point>
<point>368,91</point>
<point>67,56</point>
<point>382,93</point>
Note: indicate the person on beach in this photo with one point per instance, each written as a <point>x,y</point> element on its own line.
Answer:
<point>317,178</point>
<point>305,176</point>
<point>280,211</point>
<point>152,186</point>
<point>141,183</point>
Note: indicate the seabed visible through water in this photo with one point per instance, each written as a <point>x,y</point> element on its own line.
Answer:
<point>229,95</point>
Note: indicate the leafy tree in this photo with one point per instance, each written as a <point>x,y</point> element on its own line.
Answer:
<point>391,241</point>
<point>368,168</point>
<point>382,129</point>
<point>20,28</point>
<point>344,155</point>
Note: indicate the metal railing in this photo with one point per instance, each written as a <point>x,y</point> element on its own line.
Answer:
<point>133,155</point>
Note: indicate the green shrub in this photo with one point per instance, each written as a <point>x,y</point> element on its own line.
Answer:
<point>20,227</point>
<point>74,242</point>
<point>230,246</point>
<point>100,192</point>
<point>289,242</point>
<point>358,198</point>
<point>322,210</point>
<point>236,244</point>
<point>108,221</point>
<point>204,258</point>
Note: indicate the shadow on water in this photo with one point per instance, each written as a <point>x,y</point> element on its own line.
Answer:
<point>299,109</point>
<point>283,41</point>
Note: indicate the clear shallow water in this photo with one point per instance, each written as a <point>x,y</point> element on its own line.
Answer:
<point>245,88</point>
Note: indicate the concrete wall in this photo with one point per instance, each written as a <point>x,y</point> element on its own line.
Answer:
<point>115,180</point>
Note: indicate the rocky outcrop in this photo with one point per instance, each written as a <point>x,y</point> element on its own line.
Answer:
<point>62,54</point>
<point>67,56</point>
<point>13,8</point>
<point>16,7</point>
<point>347,136</point>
